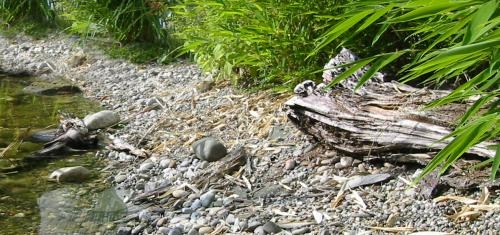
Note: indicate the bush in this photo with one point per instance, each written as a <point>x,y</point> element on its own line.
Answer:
<point>255,42</point>
<point>32,10</point>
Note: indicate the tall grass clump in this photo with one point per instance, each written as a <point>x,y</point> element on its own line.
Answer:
<point>31,10</point>
<point>254,42</point>
<point>439,43</point>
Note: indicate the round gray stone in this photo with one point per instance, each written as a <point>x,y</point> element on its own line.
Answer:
<point>207,198</point>
<point>271,227</point>
<point>209,149</point>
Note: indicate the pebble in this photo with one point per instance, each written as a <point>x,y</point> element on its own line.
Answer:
<point>209,149</point>
<point>179,193</point>
<point>207,198</point>
<point>144,215</point>
<point>271,227</point>
<point>259,230</point>
<point>289,164</point>
<point>205,230</point>
<point>146,166</point>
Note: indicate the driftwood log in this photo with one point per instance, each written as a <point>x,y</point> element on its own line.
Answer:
<point>380,118</point>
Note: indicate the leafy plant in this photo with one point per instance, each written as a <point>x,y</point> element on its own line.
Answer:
<point>33,10</point>
<point>256,42</point>
<point>441,42</point>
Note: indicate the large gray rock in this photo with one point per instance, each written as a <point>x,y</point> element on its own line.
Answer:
<point>70,174</point>
<point>209,149</point>
<point>102,119</point>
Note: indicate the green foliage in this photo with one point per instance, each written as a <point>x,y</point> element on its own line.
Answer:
<point>253,42</point>
<point>31,10</point>
<point>443,41</point>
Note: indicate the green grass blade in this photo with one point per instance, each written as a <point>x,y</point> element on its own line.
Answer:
<point>379,64</point>
<point>496,163</point>
<point>355,67</point>
<point>426,11</point>
<point>479,19</point>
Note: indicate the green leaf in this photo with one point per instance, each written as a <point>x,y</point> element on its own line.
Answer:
<point>426,11</point>
<point>374,17</point>
<point>470,48</point>
<point>479,20</point>
<point>379,64</point>
<point>355,67</point>
<point>496,163</point>
<point>340,28</point>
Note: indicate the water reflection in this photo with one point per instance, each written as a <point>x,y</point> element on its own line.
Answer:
<point>72,210</point>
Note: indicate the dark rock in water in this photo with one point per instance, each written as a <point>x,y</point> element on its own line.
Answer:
<point>52,86</point>
<point>209,149</point>
<point>43,136</point>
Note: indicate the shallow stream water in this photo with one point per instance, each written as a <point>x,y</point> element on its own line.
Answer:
<point>29,202</point>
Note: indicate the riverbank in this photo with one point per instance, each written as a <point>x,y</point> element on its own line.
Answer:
<point>288,184</point>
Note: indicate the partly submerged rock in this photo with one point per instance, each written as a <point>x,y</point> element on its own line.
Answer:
<point>102,119</point>
<point>51,86</point>
<point>70,174</point>
<point>209,149</point>
<point>43,136</point>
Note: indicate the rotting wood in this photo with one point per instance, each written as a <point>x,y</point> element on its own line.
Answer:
<point>380,118</point>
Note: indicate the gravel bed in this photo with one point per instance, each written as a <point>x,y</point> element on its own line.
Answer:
<point>292,186</point>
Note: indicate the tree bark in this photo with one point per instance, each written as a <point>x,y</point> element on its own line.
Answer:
<point>381,118</point>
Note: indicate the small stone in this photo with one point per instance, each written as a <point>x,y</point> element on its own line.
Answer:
<point>207,198</point>
<point>161,221</point>
<point>144,215</point>
<point>163,230</point>
<point>230,219</point>
<point>346,161</point>
<point>124,231</point>
<point>209,149</point>
<point>290,164</point>
<point>146,166</point>
<point>193,231</point>
<point>175,231</point>
<point>120,178</point>
<point>196,204</point>
<point>186,210</point>
<point>205,230</point>
<point>70,174</point>
<point>259,231</point>
<point>165,163</point>
<point>271,227</point>
<point>179,193</point>
<point>102,119</point>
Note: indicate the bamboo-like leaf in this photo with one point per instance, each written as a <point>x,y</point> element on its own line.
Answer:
<point>496,163</point>
<point>479,20</point>
<point>379,64</point>
<point>340,28</point>
<point>470,48</point>
<point>374,17</point>
<point>473,110</point>
<point>355,67</point>
<point>426,11</point>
